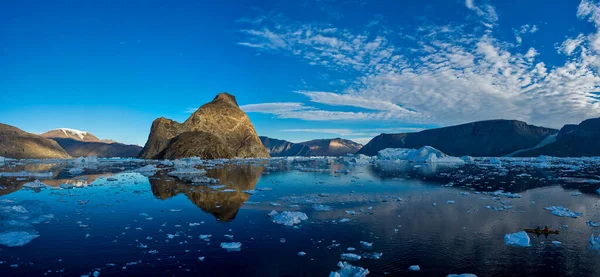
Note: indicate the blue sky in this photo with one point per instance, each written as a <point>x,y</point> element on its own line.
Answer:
<point>301,69</point>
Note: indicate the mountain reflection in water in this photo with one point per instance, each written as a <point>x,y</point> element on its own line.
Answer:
<point>222,205</point>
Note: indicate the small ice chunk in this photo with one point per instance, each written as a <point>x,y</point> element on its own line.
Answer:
<point>372,256</point>
<point>414,268</point>
<point>343,220</point>
<point>592,223</point>
<point>321,208</point>
<point>366,244</point>
<point>301,254</point>
<point>16,238</point>
<point>462,275</point>
<point>520,239</point>
<point>350,257</point>
<point>288,218</point>
<point>348,270</point>
<point>75,170</point>
<point>231,246</point>
<point>555,242</point>
<point>205,237</point>
<point>350,249</point>
<point>34,185</point>
<point>201,259</point>
<point>562,211</point>
<point>351,212</point>
<point>450,202</point>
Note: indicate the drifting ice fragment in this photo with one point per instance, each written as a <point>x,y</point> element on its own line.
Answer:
<point>321,208</point>
<point>366,244</point>
<point>17,238</point>
<point>462,275</point>
<point>288,218</point>
<point>348,270</point>
<point>350,257</point>
<point>231,246</point>
<point>555,242</point>
<point>33,185</point>
<point>593,223</point>
<point>517,239</point>
<point>562,211</point>
<point>425,154</point>
<point>415,268</point>
<point>301,254</point>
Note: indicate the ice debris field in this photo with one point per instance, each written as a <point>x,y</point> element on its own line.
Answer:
<point>301,216</point>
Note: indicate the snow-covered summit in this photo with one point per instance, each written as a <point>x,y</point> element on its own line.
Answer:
<point>68,131</point>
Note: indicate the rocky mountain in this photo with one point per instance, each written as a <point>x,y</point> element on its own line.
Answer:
<point>218,129</point>
<point>571,141</point>
<point>318,147</point>
<point>332,147</point>
<point>100,149</point>
<point>18,144</point>
<point>84,144</point>
<point>492,138</point>
<point>70,134</point>
<point>284,148</point>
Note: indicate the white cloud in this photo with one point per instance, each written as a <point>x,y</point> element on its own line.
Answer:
<point>356,132</point>
<point>443,74</point>
<point>486,12</point>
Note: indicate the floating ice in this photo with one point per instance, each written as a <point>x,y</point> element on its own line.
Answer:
<point>75,170</point>
<point>350,257</point>
<point>204,180</point>
<point>186,172</point>
<point>147,170</point>
<point>414,268</point>
<point>462,275</point>
<point>26,174</point>
<point>17,238</point>
<point>555,242</point>
<point>366,244</point>
<point>321,208</point>
<point>301,254</point>
<point>450,202</point>
<point>288,218</point>
<point>34,185</point>
<point>205,237</point>
<point>231,246</point>
<point>517,239</point>
<point>505,194</point>
<point>593,223</point>
<point>351,212</point>
<point>348,270</point>
<point>372,256</point>
<point>344,220</point>
<point>425,154</point>
<point>562,211</point>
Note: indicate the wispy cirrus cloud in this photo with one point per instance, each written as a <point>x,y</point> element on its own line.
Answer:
<point>355,132</point>
<point>442,74</point>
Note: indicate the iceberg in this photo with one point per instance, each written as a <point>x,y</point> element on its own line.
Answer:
<point>594,242</point>
<point>321,208</point>
<point>350,257</point>
<point>34,185</point>
<point>348,270</point>
<point>414,268</point>
<point>17,238</point>
<point>231,246</point>
<point>186,172</point>
<point>562,211</point>
<point>520,239</point>
<point>366,244</point>
<point>75,170</point>
<point>425,154</point>
<point>288,218</point>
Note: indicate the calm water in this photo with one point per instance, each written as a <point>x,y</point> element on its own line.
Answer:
<point>116,220</point>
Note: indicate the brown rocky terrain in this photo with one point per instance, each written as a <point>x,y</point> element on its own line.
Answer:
<point>218,129</point>
<point>70,134</point>
<point>18,144</point>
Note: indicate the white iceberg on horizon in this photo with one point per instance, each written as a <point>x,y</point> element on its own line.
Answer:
<point>425,154</point>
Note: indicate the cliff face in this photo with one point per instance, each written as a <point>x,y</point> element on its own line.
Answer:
<point>218,129</point>
<point>484,138</point>
<point>18,144</point>
<point>572,141</point>
<point>67,133</point>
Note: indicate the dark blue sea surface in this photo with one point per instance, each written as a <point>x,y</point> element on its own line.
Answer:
<point>107,217</point>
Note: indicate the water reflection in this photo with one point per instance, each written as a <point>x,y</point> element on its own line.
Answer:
<point>222,205</point>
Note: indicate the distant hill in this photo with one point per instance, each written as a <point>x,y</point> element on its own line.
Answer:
<point>572,141</point>
<point>218,129</point>
<point>84,144</point>
<point>18,144</point>
<point>318,147</point>
<point>283,148</point>
<point>491,138</point>
<point>77,148</point>
<point>71,134</point>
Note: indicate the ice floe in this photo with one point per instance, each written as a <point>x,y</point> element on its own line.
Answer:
<point>16,238</point>
<point>231,246</point>
<point>350,257</point>
<point>425,154</point>
<point>414,268</point>
<point>287,218</point>
<point>520,239</point>
<point>348,270</point>
<point>562,211</point>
